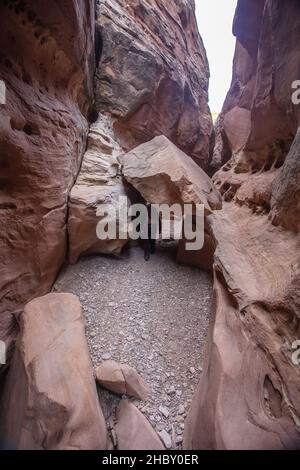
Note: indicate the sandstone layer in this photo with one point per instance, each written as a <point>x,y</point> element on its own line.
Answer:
<point>50,400</point>
<point>46,57</point>
<point>99,184</point>
<point>248,396</point>
<point>153,74</point>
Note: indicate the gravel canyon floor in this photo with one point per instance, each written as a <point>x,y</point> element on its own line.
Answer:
<point>152,316</point>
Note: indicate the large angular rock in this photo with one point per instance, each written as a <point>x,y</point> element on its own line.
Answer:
<point>43,127</point>
<point>122,380</point>
<point>98,183</point>
<point>50,399</point>
<point>133,430</point>
<point>153,74</point>
<point>163,174</point>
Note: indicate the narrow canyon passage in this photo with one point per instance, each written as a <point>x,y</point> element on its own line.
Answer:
<point>152,316</point>
<point>108,104</point>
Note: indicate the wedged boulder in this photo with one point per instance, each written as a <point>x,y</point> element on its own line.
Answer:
<point>50,399</point>
<point>153,74</point>
<point>163,174</point>
<point>122,380</point>
<point>98,183</point>
<point>134,432</point>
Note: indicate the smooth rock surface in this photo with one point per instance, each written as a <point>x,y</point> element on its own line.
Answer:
<point>134,432</point>
<point>50,399</point>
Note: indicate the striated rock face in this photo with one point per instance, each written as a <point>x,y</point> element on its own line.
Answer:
<point>164,175</point>
<point>153,74</point>
<point>46,59</point>
<point>99,183</point>
<point>248,396</point>
<point>50,400</point>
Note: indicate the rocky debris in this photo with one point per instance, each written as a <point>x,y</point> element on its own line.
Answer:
<point>163,174</point>
<point>133,431</point>
<point>122,380</point>
<point>153,74</point>
<point>43,129</point>
<point>150,300</point>
<point>98,183</point>
<point>164,411</point>
<point>51,366</point>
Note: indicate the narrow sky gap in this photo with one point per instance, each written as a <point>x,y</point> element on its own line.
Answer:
<point>215,19</point>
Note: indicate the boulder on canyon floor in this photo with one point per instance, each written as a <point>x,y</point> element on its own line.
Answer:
<point>153,74</point>
<point>50,400</point>
<point>98,184</point>
<point>134,432</point>
<point>122,380</point>
<point>163,174</point>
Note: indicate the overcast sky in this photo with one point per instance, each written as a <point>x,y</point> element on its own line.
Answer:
<point>215,19</point>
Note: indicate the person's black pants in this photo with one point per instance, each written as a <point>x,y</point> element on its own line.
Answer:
<point>149,248</point>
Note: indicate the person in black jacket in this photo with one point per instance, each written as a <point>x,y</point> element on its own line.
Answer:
<point>153,232</point>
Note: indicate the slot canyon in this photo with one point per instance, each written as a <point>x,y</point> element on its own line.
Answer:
<point>193,350</point>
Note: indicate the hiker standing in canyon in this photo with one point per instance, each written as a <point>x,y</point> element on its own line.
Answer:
<point>153,229</point>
